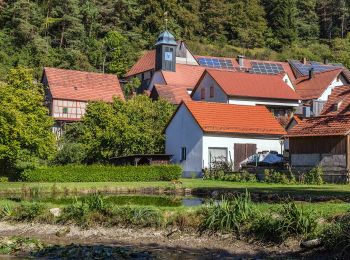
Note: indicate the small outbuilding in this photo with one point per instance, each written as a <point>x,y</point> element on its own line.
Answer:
<point>200,133</point>
<point>322,141</point>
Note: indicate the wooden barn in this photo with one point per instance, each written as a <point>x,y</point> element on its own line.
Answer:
<point>322,141</point>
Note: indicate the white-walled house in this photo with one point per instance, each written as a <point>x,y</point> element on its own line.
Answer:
<point>315,88</point>
<point>242,88</point>
<point>201,132</point>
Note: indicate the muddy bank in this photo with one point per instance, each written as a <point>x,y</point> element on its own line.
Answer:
<point>159,244</point>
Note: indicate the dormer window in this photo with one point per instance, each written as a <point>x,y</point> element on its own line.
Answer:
<point>336,106</point>
<point>203,93</point>
<point>211,91</point>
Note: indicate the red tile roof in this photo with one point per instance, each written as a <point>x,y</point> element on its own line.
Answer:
<point>245,84</point>
<point>186,75</point>
<point>238,119</point>
<point>339,98</point>
<point>314,87</point>
<point>173,94</point>
<point>322,126</point>
<point>82,86</point>
<point>145,63</point>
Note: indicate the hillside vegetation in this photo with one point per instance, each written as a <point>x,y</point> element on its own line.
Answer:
<point>95,35</point>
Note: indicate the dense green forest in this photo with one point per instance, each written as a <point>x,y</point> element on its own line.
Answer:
<point>110,34</point>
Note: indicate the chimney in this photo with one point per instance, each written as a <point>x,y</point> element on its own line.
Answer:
<point>241,60</point>
<point>311,73</point>
<point>304,61</point>
<point>306,111</point>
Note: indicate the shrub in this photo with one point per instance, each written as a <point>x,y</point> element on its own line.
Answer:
<point>271,176</point>
<point>286,222</point>
<point>103,173</point>
<point>228,215</point>
<point>4,179</point>
<point>75,212</point>
<point>28,211</point>
<point>243,176</point>
<point>315,176</point>
<point>336,236</point>
<point>70,152</point>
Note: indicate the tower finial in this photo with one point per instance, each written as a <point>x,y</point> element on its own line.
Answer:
<point>166,20</point>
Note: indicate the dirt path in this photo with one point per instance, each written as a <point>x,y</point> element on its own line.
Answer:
<point>178,245</point>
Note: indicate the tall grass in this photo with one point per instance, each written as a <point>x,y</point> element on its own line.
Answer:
<point>228,215</point>
<point>285,222</point>
<point>336,236</point>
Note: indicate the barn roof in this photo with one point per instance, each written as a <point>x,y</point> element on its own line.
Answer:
<point>238,119</point>
<point>245,84</point>
<point>338,102</point>
<point>313,88</point>
<point>146,63</point>
<point>173,94</point>
<point>322,126</point>
<point>185,75</point>
<point>82,86</point>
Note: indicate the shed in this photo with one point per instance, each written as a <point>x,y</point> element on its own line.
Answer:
<point>322,141</point>
<point>201,133</point>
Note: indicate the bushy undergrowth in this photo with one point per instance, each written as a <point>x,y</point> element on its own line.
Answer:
<point>238,216</point>
<point>271,176</point>
<point>228,215</point>
<point>243,176</point>
<point>314,177</point>
<point>288,221</point>
<point>336,236</point>
<point>102,173</point>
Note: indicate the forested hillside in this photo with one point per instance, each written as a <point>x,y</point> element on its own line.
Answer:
<point>94,35</point>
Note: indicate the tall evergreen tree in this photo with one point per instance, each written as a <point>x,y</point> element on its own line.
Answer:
<point>307,20</point>
<point>247,23</point>
<point>282,16</point>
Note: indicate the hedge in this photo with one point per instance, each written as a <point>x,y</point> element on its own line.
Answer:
<point>102,173</point>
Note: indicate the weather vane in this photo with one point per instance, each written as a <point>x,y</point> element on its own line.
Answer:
<point>166,20</point>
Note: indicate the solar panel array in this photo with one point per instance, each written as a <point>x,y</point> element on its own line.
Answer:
<point>304,69</point>
<point>266,68</point>
<point>216,63</point>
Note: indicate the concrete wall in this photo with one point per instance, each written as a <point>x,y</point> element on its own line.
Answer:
<point>333,165</point>
<point>228,141</point>
<point>183,131</point>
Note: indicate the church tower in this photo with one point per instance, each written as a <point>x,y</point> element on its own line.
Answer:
<point>166,52</point>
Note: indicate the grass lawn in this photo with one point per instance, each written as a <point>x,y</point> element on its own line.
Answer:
<point>196,184</point>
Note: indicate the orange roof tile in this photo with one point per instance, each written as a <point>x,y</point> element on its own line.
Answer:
<point>322,126</point>
<point>252,85</point>
<point>82,86</point>
<point>173,94</point>
<point>314,87</point>
<point>239,119</point>
<point>341,96</point>
<point>145,63</point>
<point>185,75</point>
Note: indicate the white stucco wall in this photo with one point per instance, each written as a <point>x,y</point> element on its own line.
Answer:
<point>254,102</point>
<point>335,83</point>
<point>183,131</point>
<point>228,141</point>
<point>287,80</point>
<point>188,60</point>
<point>206,83</point>
<point>157,78</point>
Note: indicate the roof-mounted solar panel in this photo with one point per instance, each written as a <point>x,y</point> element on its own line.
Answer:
<point>304,69</point>
<point>266,68</point>
<point>216,63</point>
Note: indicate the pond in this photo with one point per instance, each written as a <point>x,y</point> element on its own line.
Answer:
<point>121,200</point>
